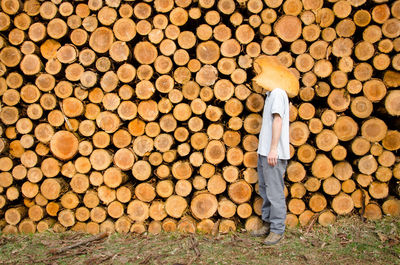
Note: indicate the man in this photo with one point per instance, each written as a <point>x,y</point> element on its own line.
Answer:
<point>273,148</point>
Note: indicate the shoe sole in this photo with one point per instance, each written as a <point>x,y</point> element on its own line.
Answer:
<point>273,243</point>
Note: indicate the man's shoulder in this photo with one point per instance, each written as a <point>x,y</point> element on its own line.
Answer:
<point>278,91</point>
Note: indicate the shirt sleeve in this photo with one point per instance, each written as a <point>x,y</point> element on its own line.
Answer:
<point>278,102</point>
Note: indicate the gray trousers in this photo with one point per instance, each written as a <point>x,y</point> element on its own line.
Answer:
<point>271,186</point>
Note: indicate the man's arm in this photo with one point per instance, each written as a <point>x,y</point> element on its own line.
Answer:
<point>276,134</point>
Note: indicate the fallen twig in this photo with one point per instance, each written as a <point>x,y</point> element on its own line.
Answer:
<point>194,246</point>
<point>313,221</point>
<point>146,260</point>
<point>101,259</point>
<point>215,229</point>
<point>65,117</point>
<point>85,241</point>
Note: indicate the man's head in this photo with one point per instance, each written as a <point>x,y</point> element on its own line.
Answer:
<point>272,74</point>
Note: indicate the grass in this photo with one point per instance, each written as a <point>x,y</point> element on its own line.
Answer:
<point>349,241</point>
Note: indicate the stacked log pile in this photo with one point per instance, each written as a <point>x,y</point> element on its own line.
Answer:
<point>142,116</point>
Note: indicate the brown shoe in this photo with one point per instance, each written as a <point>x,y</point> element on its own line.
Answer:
<point>272,239</point>
<point>263,231</point>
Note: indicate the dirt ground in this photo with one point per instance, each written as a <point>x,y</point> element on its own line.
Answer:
<point>349,241</point>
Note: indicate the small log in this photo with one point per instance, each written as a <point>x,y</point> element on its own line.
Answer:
<point>322,167</point>
<point>331,186</point>
<point>98,214</point>
<point>367,164</point>
<point>376,149</point>
<point>145,192</point>
<point>348,186</point>
<point>317,202</point>
<point>12,193</point>
<point>123,225</point>
<point>288,28</point>
<point>391,207</point>
<point>45,224</point>
<point>214,152</point>
<point>372,211</point>
<point>113,177</point>
<point>360,146</point>
<point>66,218</point>
<point>91,199</point>
<point>244,210</point>
<point>345,128</point>
<point>315,125</point>
<point>374,130</point>
<point>100,159</point>
<point>239,192</point>
<point>296,206</point>
<point>297,190</point>
<point>306,218</point>
<point>14,215</point>
<point>29,190</point>
<point>295,171</point>
<point>391,103</point>
<point>391,141</point>
<point>299,133</point>
<point>141,170</point>
<point>361,107</point>
<point>386,159</point>
<point>105,194</point>
<point>291,220</point>
<point>342,204</point>
<point>183,187</point>
<point>165,188</point>
<point>216,184</point>
<point>343,170</point>
<point>326,218</point>
<point>326,140</point>
<point>306,153</point>
<point>69,200</point>
<point>378,190</point>
<point>360,198</point>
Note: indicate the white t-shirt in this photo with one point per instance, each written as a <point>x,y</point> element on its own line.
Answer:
<point>276,102</point>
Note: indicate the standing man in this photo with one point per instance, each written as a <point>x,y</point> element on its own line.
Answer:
<point>273,155</point>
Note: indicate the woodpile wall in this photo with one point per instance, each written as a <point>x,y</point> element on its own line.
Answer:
<point>141,115</point>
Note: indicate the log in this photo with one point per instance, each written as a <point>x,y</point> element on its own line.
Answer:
<point>296,206</point>
<point>326,218</point>
<point>342,204</point>
<point>298,133</point>
<point>288,28</point>
<point>295,171</point>
<point>239,192</point>
<point>391,207</point>
<point>175,206</point>
<point>343,170</point>
<point>390,103</point>
<point>322,167</point>
<point>345,128</point>
<point>372,212</point>
<point>331,186</point>
<point>14,215</point>
<point>391,142</point>
<point>378,190</point>
<point>326,140</point>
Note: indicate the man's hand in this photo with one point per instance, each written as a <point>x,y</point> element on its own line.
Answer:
<point>273,157</point>
<point>276,134</point>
